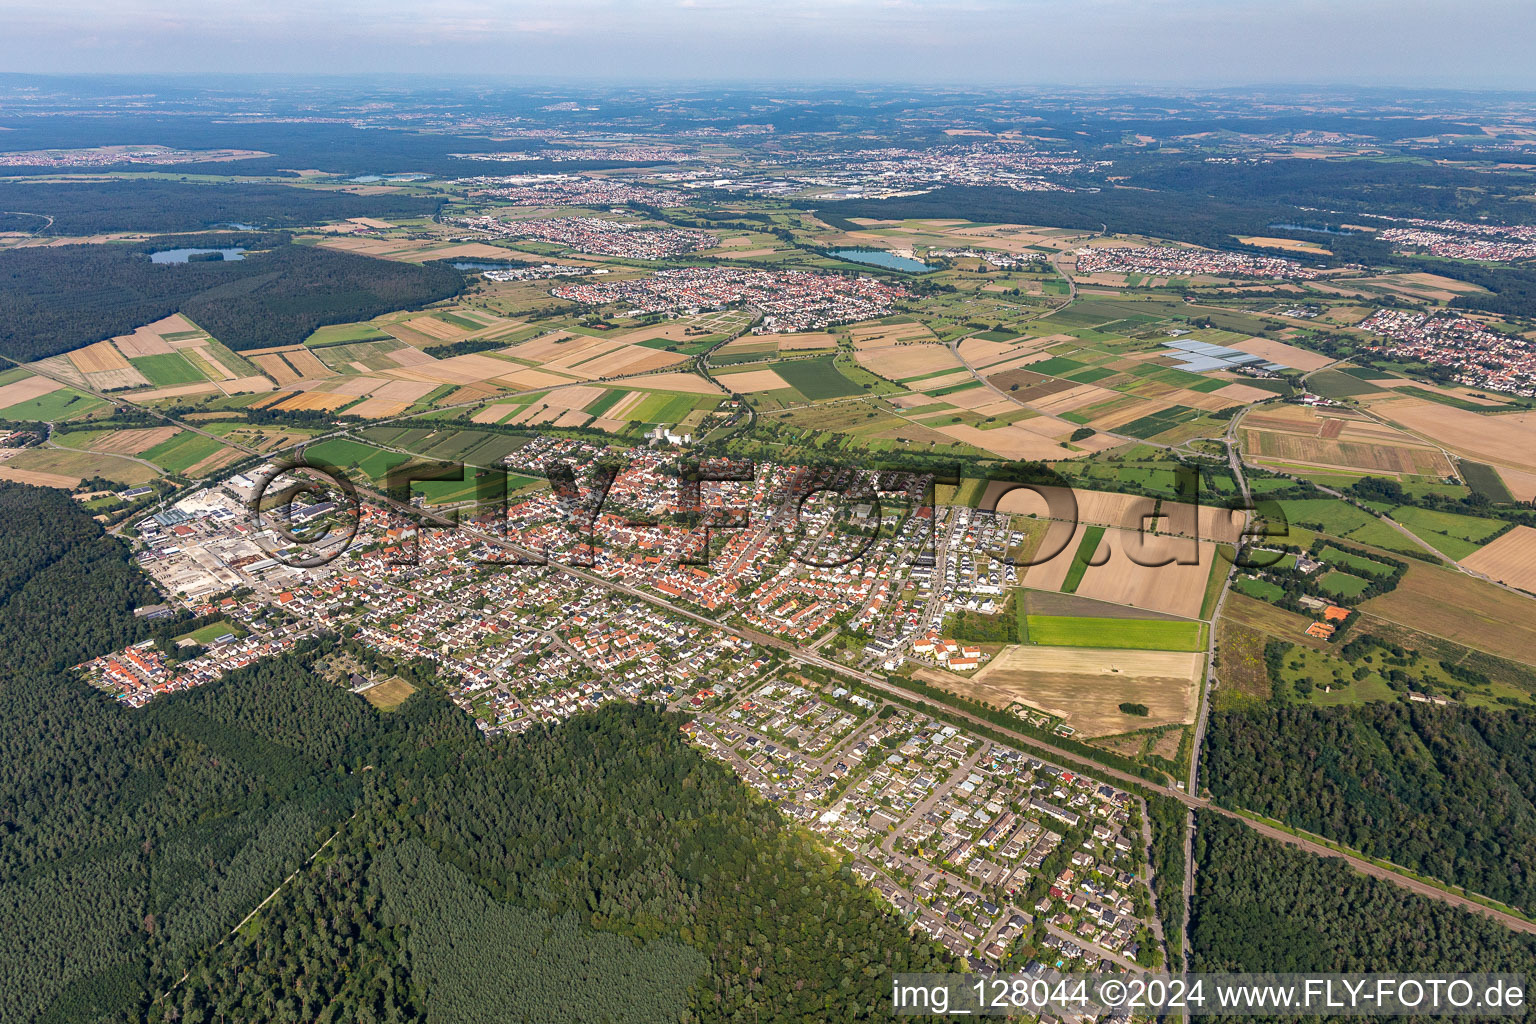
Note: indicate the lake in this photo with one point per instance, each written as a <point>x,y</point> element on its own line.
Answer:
<point>881,258</point>
<point>182,255</point>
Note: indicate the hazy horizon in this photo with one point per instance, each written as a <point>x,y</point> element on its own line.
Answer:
<point>1432,44</point>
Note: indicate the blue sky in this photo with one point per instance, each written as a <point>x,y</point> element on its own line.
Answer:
<point>1450,43</point>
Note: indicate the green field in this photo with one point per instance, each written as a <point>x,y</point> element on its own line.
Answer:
<point>1359,566</point>
<point>1449,533</point>
<point>182,452</point>
<point>608,400</point>
<point>1261,589</point>
<point>1342,584</point>
<point>211,632</point>
<point>1085,549</point>
<point>340,334</point>
<point>1124,634</point>
<point>63,404</point>
<point>168,369</point>
<point>345,454</point>
<point>1485,480</point>
<point>815,378</point>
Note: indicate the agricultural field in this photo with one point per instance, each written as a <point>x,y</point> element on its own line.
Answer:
<point>1511,559</point>
<point>65,467</point>
<point>816,378</point>
<point>1456,607</point>
<point>38,398</point>
<point>1116,633</point>
<point>1085,686</point>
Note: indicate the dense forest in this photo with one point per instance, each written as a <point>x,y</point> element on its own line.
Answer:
<point>1447,791</point>
<point>53,299</point>
<point>88,208</point>
<point>599,870</point>
<point>1263,906</point>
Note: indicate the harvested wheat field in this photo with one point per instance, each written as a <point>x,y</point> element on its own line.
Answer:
<point>1285,355</point>
<point>178,391</point>
<point>37,478</point>
<point>754,381</point>
<point>687,383</point>
<point>26,389</point>
<point>1507,439</point>
<point>1510,559</point>
<point>305,361</point>
<point>1086,686</point>
<point>132,442</point>
<point>808,342</point>
<point>1053,558</point>
<point>1127,572</point>
<point>1104,508</point>
<point>245,385</point>
<point>99,357</point>
<point>274,366</point>
<point>377,408</point>
<point>901,362</point>
<point>313,400</point>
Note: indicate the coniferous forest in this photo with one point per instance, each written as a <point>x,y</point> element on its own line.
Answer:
<point>1262,906</point>
<point>601,870</point>
<point>53,299</point>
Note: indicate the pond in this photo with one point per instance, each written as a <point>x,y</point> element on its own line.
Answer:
<point>184,255</point>
<point>881,258</point>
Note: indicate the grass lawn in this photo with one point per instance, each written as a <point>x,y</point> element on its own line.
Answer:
<point>1342,584</point>
<point>1261,589</point>
<point>211,632</point>
<point>1126,634</point>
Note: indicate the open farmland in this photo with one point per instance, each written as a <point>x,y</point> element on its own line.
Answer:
<point>1463,609</point>
<point>1510,559</point>
<point>815,378</point>
<point>1116,633</point>
<point>1086,686</point>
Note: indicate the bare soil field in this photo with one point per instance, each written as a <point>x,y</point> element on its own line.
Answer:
<point>132,442</point>
<point>754,381</point>
<point>1086,686</point>
<point>26,389</point>
<point>1503,440</point>
<point>1280,352</point>
<point>1510,559</point>
<point>1123,577</point>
